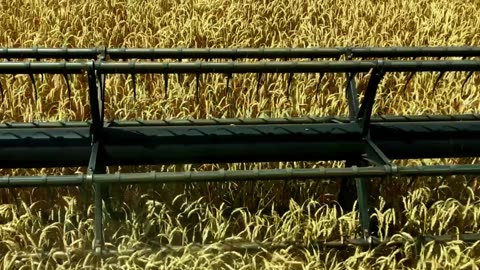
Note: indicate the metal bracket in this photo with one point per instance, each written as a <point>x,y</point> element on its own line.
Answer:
<point>97,162</point>
<point>373,155</point>
<point>346,196</point>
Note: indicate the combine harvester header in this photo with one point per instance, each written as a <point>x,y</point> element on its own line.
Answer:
<point>366,142</point>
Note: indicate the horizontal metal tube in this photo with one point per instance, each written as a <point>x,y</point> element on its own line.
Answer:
<point>205,53</point>
<point>237,67</point>
<point>416,52</point>
<point>241,121</point>
<point>59,53</point>
<point>59,147</point>
<point>288,67</point>
<point>237,175</point>
<point>43,67</point>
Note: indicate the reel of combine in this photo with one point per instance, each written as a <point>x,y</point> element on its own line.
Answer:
<point>367,143</point>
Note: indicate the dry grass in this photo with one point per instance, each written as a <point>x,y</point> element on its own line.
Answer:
<point>178,214</point>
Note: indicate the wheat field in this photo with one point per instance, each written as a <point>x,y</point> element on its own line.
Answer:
<point>61,219</point>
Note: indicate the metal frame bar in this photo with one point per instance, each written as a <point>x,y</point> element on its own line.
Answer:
<point>373,154</point>
<point>242,121</point>
<point>361,186</point>
<point>361,116</point>
<point>238,67</point>
<point>347,195</point>
<point>96,162</point>
<point>232,53</point>
<point>237,175</point>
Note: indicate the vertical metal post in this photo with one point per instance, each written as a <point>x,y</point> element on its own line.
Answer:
<point>346,196</point>
<point>362,195</point>
<point>372,153</point>
<point>97,157</point>
<point>347,193</point>
<point>93,168</point>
